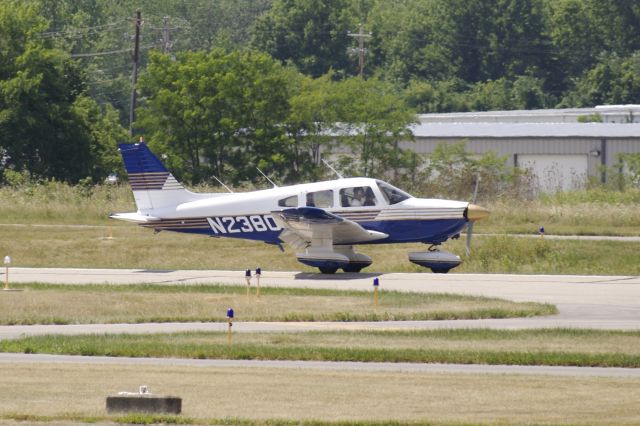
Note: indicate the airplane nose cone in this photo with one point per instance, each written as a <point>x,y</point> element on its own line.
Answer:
<point>475,212</point>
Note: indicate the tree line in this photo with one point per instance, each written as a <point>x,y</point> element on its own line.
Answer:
<point>231,85</point>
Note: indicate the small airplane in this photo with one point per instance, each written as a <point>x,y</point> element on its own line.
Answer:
<point>321,221</point>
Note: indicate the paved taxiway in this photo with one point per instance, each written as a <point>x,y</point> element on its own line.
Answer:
<point>604,302</point>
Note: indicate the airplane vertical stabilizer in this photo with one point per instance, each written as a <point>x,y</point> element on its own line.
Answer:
<point>154,187</point>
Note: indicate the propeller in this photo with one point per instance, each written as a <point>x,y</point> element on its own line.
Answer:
<point>471,222</point>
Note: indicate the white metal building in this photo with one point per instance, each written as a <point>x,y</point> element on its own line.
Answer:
<point>559,150</point>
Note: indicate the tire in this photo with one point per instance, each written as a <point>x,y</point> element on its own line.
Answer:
<point>324,270</point>
<point>439,270</point>
<point>352,268</point>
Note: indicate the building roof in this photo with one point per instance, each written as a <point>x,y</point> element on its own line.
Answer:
<point>608,114</point>
<point>523,130</point>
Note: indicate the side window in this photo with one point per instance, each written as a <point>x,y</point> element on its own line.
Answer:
<point>320,199</point>
<point>289,201</point>
<point>357,196</point>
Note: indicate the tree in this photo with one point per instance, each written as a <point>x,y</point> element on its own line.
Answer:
<point>497,38</point>
<point>226,108</point>
<point>574,31</point>
<point>41,91</point>
<point>373,120</point>
<point>311,34</point>
<point>312,120</point>
<point>614,80</point>
<point>408,41</point>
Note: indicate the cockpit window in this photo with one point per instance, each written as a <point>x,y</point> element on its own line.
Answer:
<point>392,194</point>
<point>289,201</point>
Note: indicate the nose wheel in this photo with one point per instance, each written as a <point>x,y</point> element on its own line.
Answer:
<point>440,262</point>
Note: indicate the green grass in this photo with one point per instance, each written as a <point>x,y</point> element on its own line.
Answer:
<point>554,347</point>
<point>83,304</point>
<point>593,212</point>
<point>153,419</point>
<point>61,243</point>
<point>167,419</point>
<point>504,254</point>
<point>134,247</point>
<point>61,392</point>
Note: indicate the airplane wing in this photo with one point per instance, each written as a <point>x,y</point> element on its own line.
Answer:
<point>306,226</point>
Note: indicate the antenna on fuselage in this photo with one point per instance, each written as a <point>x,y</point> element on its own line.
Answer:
<point>332,169</point>
<point>267,178</point>
<point>222,183</point>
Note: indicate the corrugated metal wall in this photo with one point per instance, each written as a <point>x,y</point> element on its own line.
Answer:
<point>600,151</point>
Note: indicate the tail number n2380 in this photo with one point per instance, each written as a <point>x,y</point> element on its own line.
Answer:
<point>238,224</point>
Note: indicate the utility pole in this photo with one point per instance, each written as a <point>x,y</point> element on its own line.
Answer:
<point>134,75</point>
<point>166,40</point>
<point>361,36</point>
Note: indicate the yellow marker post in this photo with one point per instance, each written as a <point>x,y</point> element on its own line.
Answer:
<point>247,276</point>
<point>376,283</point>
<point>258,274</point>
<point>230,319</point>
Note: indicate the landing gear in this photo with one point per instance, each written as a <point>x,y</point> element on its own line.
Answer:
<point>440,262</point>
<point>354,268</point>
<point>338,257</point>
<point>357,261</point>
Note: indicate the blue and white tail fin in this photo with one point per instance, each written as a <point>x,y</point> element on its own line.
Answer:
<point>154,187</point>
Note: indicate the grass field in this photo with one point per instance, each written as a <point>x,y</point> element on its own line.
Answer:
<point>61,226</point>
<point>82,304</point>
<point>598,211</point>
<point>134,247</point>
<point>258,396</point>
<point>582,348</point>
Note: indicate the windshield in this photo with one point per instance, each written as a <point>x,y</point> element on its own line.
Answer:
<point>392,194</point>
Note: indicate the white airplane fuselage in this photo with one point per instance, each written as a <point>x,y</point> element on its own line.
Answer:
<point>320,220</point>
<point>249,214</point>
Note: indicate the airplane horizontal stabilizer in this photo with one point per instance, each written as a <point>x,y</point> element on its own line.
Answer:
<point>133,217</point>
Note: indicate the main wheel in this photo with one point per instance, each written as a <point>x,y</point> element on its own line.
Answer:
<point>352,268</point>
<point>439,270</point>
<point>325,270</point>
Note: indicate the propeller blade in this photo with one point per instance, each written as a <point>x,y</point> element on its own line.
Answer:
<point>469,234</point>
<point>475,190</point>
<point>470,224</point>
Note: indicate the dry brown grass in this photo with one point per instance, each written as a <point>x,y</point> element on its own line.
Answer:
<point>574,218</point>
<point>134,247</point>
<point>210,392</point>
<point>458,340</point>
<point>83,304</point>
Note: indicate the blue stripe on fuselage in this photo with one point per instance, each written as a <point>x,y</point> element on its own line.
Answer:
<point>412,231</point>
<point>400,231</point>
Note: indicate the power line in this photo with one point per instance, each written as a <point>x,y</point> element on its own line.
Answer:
<point>111,52</point>
<point>74,31</point>
<point>87,55</point>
